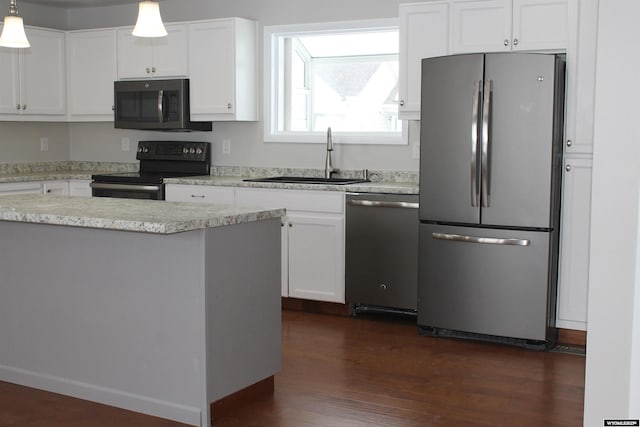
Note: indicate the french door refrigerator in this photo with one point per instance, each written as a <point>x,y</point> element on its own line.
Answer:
<point>490,182</point>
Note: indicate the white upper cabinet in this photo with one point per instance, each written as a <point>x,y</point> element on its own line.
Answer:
<point>161,57</point>
<point>508,25</point>
<point>90,87</point>
<point>222,70</point>
<point>33,79</point>
<point>581,75</point>
<point>424,33</point>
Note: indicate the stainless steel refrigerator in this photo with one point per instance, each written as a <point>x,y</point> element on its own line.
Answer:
<point>490,183</point>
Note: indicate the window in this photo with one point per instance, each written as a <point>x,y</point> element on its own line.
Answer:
<point>339,75</point>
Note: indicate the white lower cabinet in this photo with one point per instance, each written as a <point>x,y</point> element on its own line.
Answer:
<point>312,233</point>
<point>573,278</point>
<point>312,240</point>
<point>316,256</point>
<point>80,188</point>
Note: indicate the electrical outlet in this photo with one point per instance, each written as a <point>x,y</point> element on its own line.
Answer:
<point>226,146</point>
<point>44,144</point>
<point>126,145</point>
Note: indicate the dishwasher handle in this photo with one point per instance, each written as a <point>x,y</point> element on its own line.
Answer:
<point>383,204</point>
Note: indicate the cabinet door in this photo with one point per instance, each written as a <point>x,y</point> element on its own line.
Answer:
<point>481,26</point>
<point>581,72</point>
<point>80,188</point>
<point>92,71</point>
<point>316,257</point>
<point>424,33</point>
<point>44,73</point>
<point>10,81</point>
<point>574,245</point>
<point>135,55</point>
<point>539,24</point>
<point>170,53</point>
<point>212,65</point>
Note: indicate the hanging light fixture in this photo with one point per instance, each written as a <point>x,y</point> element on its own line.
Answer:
<point>13,30</point>
<point>149,23</point>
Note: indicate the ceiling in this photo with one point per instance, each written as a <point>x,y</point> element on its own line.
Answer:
<point>79,3</point>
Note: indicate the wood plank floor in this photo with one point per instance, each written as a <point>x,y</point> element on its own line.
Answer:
<point>366,371</point>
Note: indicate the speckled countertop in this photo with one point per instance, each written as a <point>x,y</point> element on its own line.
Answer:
<point>398,182</point>
<point>147,216</point>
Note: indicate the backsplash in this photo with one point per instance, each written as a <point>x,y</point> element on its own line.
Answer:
<point>262,172</point>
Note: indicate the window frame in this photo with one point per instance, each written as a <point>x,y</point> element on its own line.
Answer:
<point>276,81</point>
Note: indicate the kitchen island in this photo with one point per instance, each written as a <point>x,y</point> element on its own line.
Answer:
<point>151,306</point>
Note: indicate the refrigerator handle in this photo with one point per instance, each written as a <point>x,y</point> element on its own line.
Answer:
<point>486,113</point>
<point>484,240</point>
<point>474,144</point>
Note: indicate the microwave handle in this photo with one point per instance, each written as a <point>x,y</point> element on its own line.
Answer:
<point>160,106</point>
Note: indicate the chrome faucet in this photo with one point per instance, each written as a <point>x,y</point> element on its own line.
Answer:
<point>328,165</point>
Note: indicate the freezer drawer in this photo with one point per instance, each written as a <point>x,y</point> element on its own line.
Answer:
<point>487,281</point>
<point>382,251</point>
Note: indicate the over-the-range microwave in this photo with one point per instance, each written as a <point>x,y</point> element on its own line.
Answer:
<point>154,105</point>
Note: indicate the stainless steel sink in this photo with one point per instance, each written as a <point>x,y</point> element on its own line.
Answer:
<point>306,180</point>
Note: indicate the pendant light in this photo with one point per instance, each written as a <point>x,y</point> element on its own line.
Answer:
<point>13,30</point>
<point>149,23</point>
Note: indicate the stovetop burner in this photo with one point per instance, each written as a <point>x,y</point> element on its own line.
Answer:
<point>158,160</point>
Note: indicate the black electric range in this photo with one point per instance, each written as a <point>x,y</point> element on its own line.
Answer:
<point>158,160</point>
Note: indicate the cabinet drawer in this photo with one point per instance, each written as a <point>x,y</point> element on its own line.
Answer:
<point>199,194</point>
<point>312,201</point>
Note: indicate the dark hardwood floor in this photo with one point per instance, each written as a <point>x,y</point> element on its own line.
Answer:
<point>366,371</point>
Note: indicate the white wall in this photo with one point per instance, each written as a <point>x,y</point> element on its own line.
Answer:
<point>611,358</point>
<point>20,142</point>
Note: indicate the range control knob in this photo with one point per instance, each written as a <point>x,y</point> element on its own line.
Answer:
<point>145,149</point>
<point>199,151</point>
<point>185,150</point>
<point>192,151</point>
<point>139,149</point>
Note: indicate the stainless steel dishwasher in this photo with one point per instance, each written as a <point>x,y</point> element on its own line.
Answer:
<point>381,273</point>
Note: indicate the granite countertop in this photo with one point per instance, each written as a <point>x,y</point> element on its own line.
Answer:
<point>364,187</point>
<point>403,182</point>
<point>147,216</point>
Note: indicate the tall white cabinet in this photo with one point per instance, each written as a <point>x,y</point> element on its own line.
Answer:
<point>33,86</point>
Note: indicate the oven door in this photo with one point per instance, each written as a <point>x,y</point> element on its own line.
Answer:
<point>128,191</point>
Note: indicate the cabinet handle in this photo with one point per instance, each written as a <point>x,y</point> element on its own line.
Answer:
<point>290,225</point>
<point>515,42</point>
<point>506,42</point>
<point>229,106</point>
<point>148,70</point>
<point>569,143</point>
<point>113,108</point>
<point>568,168</point>
<point>402,102</point>
<point>18,107</point>
<point>24,106</point>
<point>197,196</point>
<point>153,69</point>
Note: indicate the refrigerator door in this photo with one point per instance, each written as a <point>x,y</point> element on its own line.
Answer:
<point>484,281</point>
<point>517,188</point>
<point>449,162</point>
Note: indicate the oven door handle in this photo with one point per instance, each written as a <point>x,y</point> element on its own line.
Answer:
<point>130,187</point>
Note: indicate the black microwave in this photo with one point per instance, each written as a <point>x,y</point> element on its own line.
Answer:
<point>154,105</point>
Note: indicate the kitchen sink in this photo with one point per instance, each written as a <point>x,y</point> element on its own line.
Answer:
<point>306,180</point>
